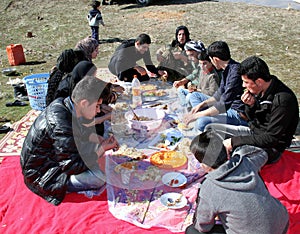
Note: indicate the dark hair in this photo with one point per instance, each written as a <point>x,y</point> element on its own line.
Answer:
<point>186,32</point>
<point>95,4</point>
<point>254,68</point>
<point>203,56</point>
<point>208,148</point>
<point>82,69</point>
<point>90,88</point>
<point>143,39</point>
<point>219,49</point>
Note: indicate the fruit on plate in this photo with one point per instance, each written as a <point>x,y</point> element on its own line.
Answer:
<point>168,159</point>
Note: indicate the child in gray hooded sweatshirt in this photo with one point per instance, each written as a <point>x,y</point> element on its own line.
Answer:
<point>233,191</point>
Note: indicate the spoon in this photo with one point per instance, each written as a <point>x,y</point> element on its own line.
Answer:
<point>135,115</point>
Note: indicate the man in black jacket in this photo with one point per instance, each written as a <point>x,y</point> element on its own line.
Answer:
<point>271,109</point>
<point>123,62</point>
<point>57,154</point>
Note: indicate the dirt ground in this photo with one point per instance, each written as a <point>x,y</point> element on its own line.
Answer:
<point>271,33</point>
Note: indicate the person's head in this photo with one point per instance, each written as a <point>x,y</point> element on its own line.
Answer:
<point>95,4</point>
<point>82,69</point>
<point>218,52</point>
<point>204,62</point>
<point>255,74</point>
<point>193,49</point>
<point>88,95</point>
<point>209,150</point>
<point>142,43</point>
<point>68,59</point>
<point>89,46</point>
<point>182,35</point>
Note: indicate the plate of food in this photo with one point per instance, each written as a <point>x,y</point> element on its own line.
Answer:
<point>147,87</point>
<point>173,200</point>
<point>151,95</point>
<point>130,152</point>
<point>169,159</point>
<point>168,140</point>
<point>174,179</point>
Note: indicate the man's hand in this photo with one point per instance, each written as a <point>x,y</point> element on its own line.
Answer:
<point>141,70</point>
<point>178,83</point>
<point>248,98</point>
<point>110,143</point>
<point>163,73</point>
<point>228,146</point>
<point>189,117</point>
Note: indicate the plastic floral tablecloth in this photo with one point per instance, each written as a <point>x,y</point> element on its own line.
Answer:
<point>135,196</point>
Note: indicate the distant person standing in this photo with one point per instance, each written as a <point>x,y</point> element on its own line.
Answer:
<point>95,18</point>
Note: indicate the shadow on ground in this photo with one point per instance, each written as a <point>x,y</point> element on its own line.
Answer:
<point>159,3</point>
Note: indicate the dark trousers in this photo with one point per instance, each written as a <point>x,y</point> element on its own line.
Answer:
<point>127,75</point>
<point>217,229</point>
<point>95,32</point>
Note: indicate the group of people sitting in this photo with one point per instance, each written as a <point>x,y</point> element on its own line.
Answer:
<point>246,118</point>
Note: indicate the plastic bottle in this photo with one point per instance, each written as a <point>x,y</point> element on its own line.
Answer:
<point>136,92</point>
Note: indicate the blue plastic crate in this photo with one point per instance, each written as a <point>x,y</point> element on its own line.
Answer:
<point>37,86</point>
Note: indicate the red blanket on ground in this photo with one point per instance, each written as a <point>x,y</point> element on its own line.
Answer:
<point>24,212</point>
<point>283,181</point>
<point>21,211</point>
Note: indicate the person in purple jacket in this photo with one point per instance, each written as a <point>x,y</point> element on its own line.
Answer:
<point>225,106</point>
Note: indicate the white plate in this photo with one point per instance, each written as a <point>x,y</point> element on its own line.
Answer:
<point>174,179</point>
<point>166,137</point>
<point>167,197</point>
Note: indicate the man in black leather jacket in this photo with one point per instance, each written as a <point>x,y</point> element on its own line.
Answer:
<point>57,154</point>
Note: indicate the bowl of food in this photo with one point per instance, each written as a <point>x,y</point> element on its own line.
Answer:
<point>146,118</point>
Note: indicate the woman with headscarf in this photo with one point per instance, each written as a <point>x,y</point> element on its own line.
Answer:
<point>173,58</point>
<point>89,46</point>
<point>68,83</point>
<point>85,49</point>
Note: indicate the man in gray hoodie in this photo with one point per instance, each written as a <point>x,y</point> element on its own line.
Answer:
<point>233,192</point>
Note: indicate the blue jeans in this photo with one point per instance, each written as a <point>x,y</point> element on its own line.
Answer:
<point>86,180</point>
<point>230,117</point>
<point>184,96</point>
<point>95,32</point>
<point>197,97</point>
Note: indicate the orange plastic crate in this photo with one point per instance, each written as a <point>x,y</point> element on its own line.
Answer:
<point>15,54</point>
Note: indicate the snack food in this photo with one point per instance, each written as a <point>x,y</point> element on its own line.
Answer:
<point>124,150</point>
<point>130,166</point>
<point>168,159</point>
<point>154,93</point>
<point>145,87</point>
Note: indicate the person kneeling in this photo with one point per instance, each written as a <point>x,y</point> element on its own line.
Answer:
<point>233,191</point>
<point>57,155</point>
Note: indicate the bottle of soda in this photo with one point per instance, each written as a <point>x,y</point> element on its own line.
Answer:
<point>136,92</point>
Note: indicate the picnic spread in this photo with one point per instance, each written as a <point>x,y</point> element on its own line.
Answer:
<point>148,191</point>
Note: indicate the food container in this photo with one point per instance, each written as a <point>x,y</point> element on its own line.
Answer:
<point>151,118</point>
<point>15,54</point>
